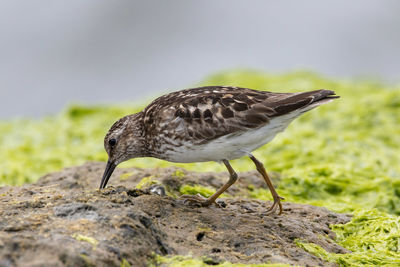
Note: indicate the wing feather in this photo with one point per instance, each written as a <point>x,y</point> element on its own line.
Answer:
<point>205,113</point>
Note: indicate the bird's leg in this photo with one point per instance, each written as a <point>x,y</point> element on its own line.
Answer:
<point>277,198</point>
<point>205,202</point>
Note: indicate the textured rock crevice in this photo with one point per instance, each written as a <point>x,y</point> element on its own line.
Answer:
<point>64,220</point>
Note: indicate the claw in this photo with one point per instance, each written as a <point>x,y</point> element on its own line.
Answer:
<point>277,203</point>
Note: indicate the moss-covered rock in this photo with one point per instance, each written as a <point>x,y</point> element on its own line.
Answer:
<point>64,220</point>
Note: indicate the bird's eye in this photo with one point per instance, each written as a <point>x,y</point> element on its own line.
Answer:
<point>112,142</point>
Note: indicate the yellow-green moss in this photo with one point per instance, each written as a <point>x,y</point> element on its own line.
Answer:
<point>88,239</point>
<point>125,263</point>
<point>178,174</point>
<point>188,261</point>
<point>372,236</point>
<point>146,182</point>
<point>125,176</point>
<point>86,260</point>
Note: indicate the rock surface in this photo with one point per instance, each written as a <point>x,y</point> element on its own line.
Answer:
<point>64,220</point>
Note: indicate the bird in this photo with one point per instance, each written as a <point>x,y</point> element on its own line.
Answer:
<point>209,123</point>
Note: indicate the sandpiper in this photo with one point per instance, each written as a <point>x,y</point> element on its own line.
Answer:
<point>211,123</point>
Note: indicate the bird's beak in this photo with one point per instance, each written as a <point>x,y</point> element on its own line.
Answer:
<point>107,173</point>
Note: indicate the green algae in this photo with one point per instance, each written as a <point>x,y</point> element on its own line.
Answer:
<point>185,261</point>
<point>125,176</point>
<point>86,260</point>
<point>372,236</point>
<point>146,182</point>
<point>343,155</point>
<point>178,174</point>
<point>84,238</point>
<point>125,263</point>
<point>31,148</point>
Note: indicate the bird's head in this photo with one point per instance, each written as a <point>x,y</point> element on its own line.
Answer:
<point>124,140</point>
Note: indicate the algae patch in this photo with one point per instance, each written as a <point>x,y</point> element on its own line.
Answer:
<point>186,261</point>
<point>88,239</point>
<point>178,174</point>
<point>125,263</point>
<point>131,224</point>
<point>372,236</point>
<point>125,176</point>
<point>146,182</point>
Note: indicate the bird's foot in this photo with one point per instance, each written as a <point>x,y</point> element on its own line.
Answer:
<point>277,204</point>
<point>197,200</point>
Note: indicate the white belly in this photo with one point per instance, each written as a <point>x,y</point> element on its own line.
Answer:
<point>231,146</point>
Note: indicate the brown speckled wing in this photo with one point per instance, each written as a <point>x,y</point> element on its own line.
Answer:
<point>205,113</point>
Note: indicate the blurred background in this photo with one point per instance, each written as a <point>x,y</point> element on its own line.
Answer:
<point>53,53</point>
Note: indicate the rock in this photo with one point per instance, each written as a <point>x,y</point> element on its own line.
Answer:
<point>64,220</point>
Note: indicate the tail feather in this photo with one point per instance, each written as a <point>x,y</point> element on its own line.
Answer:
<point>303,101</point>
